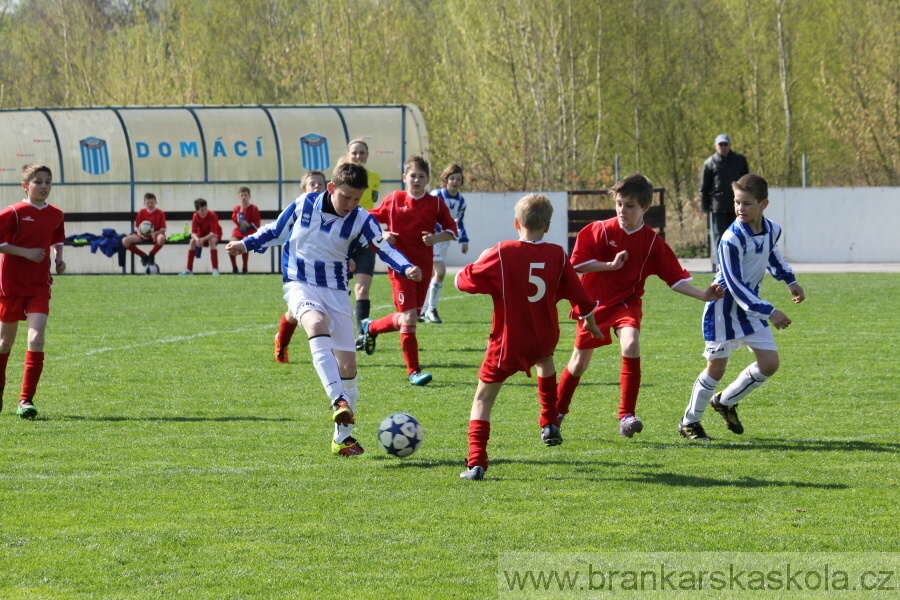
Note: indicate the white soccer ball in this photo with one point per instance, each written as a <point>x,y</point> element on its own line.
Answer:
<point>146,228</point>
<point>152,270</point>
<point>400,434</point>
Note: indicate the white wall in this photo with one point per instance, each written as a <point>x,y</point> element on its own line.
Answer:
<point>838,225</point>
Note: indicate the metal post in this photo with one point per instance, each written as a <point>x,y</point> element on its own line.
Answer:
<point>805,163</point>
<point>617,167</point>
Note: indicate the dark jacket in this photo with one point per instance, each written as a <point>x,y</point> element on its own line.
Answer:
<point>719,173</point>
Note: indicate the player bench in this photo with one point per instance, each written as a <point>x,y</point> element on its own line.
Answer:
<point>655,216</point>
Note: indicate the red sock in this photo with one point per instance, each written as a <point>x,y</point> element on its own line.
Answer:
<point>547,398</point>
<point>409,345</point>
<point>286,330</point>
<point>155,249</point>
<point>479,433</point>
<point>214,258</point>
<point>386,324</point>
<point>629,383</point>
<point>246,258</point>
<point>565,391</point>
<point>190,265</point>
<point>233,261</point>
<point>34,364</point>
<point>136,250</point>
<point>4,358</point>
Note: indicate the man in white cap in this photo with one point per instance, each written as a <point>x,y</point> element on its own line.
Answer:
<point>716,196</point>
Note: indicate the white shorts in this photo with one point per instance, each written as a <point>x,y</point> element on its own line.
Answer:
<point>758,340</point>
<point>334,304</point>
<point>440,250</point>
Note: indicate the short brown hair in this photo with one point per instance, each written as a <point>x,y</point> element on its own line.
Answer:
<point>243,189</point>
<point>534,212</point>
<point>351,174</point>
<point>29,172</point>
<point>199,203</point>
<point>452,169</point>
<point>310,174</point>
<point>634,186</point>
<point>149,196</point>
<point>754,185</point>
<point>418,162</point>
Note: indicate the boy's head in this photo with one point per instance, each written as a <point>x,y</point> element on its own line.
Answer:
<point>416,173</point>
<point>200,205</point>
<point>313,181</point>
<point>634,186</point>
<point>754,185</point>
<point>150,200</point>
<point>244,195</point>
<point>533,213</point>
<point>348,183</point>
<point>452,169</point>
<point>29,172</point>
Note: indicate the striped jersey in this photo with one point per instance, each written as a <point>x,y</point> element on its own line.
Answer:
<point>744,258</point>
<point>318,245</point>
<point>457,206</point>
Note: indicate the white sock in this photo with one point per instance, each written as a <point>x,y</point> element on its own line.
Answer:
<point>351,392</point>
<point>326,366</point>
<point>749,379</point>
<point>434,294</point>
<point>703,391</point>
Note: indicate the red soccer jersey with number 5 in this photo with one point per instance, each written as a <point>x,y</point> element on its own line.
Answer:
<point>526,280</point>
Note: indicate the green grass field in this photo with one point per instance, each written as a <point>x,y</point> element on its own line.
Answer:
<point>173,458</point>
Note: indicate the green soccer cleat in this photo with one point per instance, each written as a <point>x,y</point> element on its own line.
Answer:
<point>368,338</point>
<point>349,447</point>
<point>420,378</point>
<point>27,409</point>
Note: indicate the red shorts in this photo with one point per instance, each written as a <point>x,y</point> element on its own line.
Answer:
<point>17,308</point>
<point>409,294</point>
<point>492,371</point>
<point>608,320</point>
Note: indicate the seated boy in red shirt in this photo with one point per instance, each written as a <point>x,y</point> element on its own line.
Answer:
<point>410,217</point>
<point>525,278</point>
<point>205,232</point>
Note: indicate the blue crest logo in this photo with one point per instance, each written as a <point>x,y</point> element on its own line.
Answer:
<point>314,152</point>
<point>94,156</point>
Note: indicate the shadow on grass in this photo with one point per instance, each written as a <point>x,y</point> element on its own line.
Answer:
<point>173,419</point>
<point>677,480</point>
<point>788,445</point>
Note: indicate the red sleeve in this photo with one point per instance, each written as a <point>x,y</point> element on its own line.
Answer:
<point>214,226</point>
<point>383,210</point>
<point>570,288</point>
<point>235,212</point>
<point>160,220</point>
<point>7,225</point>
<point>587,244</point>
<point>137,220</point>
<point>445,219</point>
<point>254,217</point>
<point>482,276</point>
<point>666,263</point>
<point>59,235</point>
<point>195,224</point>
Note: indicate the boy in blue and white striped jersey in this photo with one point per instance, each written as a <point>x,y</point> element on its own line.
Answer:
<point>319,232</point>
<point>741,318</point>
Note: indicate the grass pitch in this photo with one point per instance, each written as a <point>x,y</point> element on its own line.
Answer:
<point>173,458</point>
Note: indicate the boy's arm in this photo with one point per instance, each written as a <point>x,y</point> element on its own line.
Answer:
<point>32,254</point>
<point>600,265</point>
<point>275,233</point>
<point>713,292</point>
<point>431,238</point>
<point>371,234</point>
<point>60,263</point>
<point>481,276</point>
<point>460,226</point>
<point>729,257</point>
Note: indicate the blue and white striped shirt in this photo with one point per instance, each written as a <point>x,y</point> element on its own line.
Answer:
<point>457,206</point>
<point>744,258</point>
<point>318,245</point>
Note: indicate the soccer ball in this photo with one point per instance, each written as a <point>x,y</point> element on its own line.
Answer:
<point>400,434</point>
<point>152,270</point>
<point>146,228</point>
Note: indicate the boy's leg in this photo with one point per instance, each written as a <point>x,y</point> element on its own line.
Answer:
<point>315,324</point>
<point>549,414</point>
<point>350,383</point>
<point>234,267</point>
<point>158,243</point>
<point>480,429</point>
<point>245,261</point>
<point>751,378</point>
<point>286,328</point>
<point>571,375</point>
<point>7,339</point>
<point>191,253</point>
<point>703,390</point>
<point>34,364</point>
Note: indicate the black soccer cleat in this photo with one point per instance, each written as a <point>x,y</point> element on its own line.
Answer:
<point>729,413</point>
<point>693,431</point>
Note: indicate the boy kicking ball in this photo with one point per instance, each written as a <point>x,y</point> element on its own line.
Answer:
<point>741,318</point>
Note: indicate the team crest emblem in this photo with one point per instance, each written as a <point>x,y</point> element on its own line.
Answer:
<point>314,152</point>
<point>94,156</point>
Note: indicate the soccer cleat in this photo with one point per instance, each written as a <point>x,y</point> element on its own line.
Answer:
<point>368,338</point>
<point>360,342</point>
<point>281,351</point>
<point>420,378</point>
<point>26,409</point>
<point>475,473</point>
<point>551,435</point>
<point>215,271</point>
<point>343,414</point>
<point>151,259</point>
<point>421,318</point>
<point>630,425</point>
<point>349,447</point>
<point>145,260</point>
<point>185,272</point>
<point>234,270</point>
<point>244,271</point>
<point>693,431</point>
<point>431,315</point>
<point>729,413</point>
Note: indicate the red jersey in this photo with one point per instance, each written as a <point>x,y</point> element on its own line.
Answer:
<point>203,226</point>
<point>249,215</point>
<point>157,217</point>
<point>526,280</point>
<point>28,226</point>
<point>648,254</point>
<point>408,218</point>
